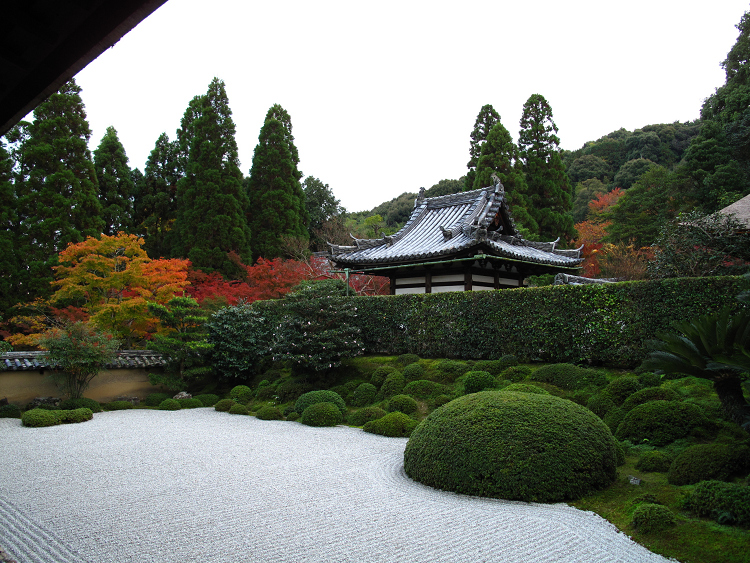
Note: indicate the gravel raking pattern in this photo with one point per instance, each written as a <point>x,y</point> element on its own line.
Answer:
<point>199,485</point>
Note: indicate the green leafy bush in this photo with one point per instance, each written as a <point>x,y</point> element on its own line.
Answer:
<point>516,374</point>
<point>649,518</point>
<point>73,416</point>
<point>649,394</point>
<point>312,397</point>
<point>660,422</point>
<point>378,376</point>
<point>192,403</point>
<point>83,402</point>
<point>117,406</point>
<point>517,446</point>
<point>292,416</point>
<point>207,399</point>
<point>269,413</point>
<point>238,408</point>
<point>613,418</point>
<point>450,370</point>
<point>716,499</point>
<point>649,379</point>
<point>600,405</point>
<point>363,395</point>
<point>10,411</point>
<point>37,418</point>
<point>242,394</point>
<point>155,399</point>
<point>224,405</point>
<point>441,400</point>
<point>407,359</point>
<point>362,416</point>
<point>393,385</point>
<point>475,381</point>
<point>170,405</point>
<point>621,388</point>
<point>422,389</point>
<point>266,393</point>
<point>495,367</point>
<point>568,376</point>
<point>413,372</point>
<point>393,425</point>
<point>342,391</point>
<point>654,461</point>
<point>322,414</point>
<point>709,462</point>
<point>402,403</point>
<point>289,391</point>
<point>524,388</point>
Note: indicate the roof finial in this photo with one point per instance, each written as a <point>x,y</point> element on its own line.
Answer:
<point>420,197</point>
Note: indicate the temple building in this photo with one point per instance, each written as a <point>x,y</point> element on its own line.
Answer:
<point>458,242</point>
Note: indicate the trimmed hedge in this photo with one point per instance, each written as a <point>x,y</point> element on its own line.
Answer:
<point>117,406</point>
<point>242,394</point>
<point>192,403</point>
<point>83,402</point>
<point>10,411</point>
<point>516,374</point>
<point>393,425</point>
<point>524,388</point>
<point>38,418</point>
<point>649,517</point>
<point>649,394</point>
<point>363,395</point>
<point>207,399</point>
<point>393,385</point>
<point>170,405</point>
<point>224,405</point>
<point>238,408</point>
<point>654,461</point>
<point>660,422</point>
<point>475,381</point>
<point>313,397</point>
<point>73,416</point>
<point>600,405</point>
<point>322,414</point>
<point>727,501</point>
<point>516,446</point>
<point>569,377</point>
<point>450,370</point>
<point>155,399</point>
<point>365,415</point>
<point>413,372</point>
<point>402,403</point>
<point>378,376</point>
<point>422,389</point>
<point>496,366</point>
<point>622,388</point>
<point>706,462</point>
<point>269,413</point>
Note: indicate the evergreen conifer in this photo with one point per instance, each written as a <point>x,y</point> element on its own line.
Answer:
<point>116,188</point>
<point>486,120</point>
<point>8,226</point>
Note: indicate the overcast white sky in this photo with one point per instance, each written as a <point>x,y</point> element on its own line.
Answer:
<point>383,95</point>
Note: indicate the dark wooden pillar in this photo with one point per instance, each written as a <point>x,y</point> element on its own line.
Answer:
<point>427,281</point>
<point>392,284</point>
<point>467,278</point>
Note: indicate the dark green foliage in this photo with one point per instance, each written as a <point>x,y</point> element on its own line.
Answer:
<point>475,381</point>
<point>649,394</point>
<point>266,393</point>
<point>363,395</point>
<point>705,462</point>
<point>37,418</point>
<point>224,405</point>
<point>450,370</point>
<point>486,119</point>
<point>211,200</point>
<point>649,379</point>
<point>516,373</point>
<point>447,187</point>
<point>10,411</point>
<point>322,414</point>
<point>649,518</point>
<point>613,418</point>
<point>629,172</point>
<point>441,400</point>
<point>407,359</point>
<point>600,405</point>
<point>517,446</point>
<point>83,402</point>
<point>269,413</point>
<point>118,406</point>
<point>715,498</point>
<point>170,405</point>
<point>321,207</point>
<point>291,390</point>
<point>155,399</point>
<point>413,372</point>
<point>363,416</point>
<point>238,408</point>
<point>292,416</point>
<point>422,389</point>
<point>567,376</point>
<point>621,388</point>
<point>207,399</point>
<point>242,394</point>
<point>588,167</point>
<point>393,425</point>
<point>74,416</point>
<point>314,397</point>
<point>524,388</point>
<point>393,385</point>
<point>191,403</point>
<point>654,461</point>
<point>9,259</point>
<point>378,376</point>
<point>660,422</point>
<point>495,367</point>
<point>116,188</point>
<point>402,403</point>
<point>341,390</point>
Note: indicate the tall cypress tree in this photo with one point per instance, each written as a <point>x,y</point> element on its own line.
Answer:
<point>8,228</point>
<point>499,156</point>
<point>57,188</point>
<point>211,201</point>
<point>485,121</point>
<point>280,114</point>
<point>550,194</point>
<point>277,202</point>
<point>116,188</point>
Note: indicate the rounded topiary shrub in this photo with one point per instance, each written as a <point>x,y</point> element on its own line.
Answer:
<point>600,405</point>
<point>192,403</point>
<point>613,418</point>
<point>441,400</point>
<point>412,372</point>
<point>37,418</point>
<point>393,385</point>
<point>568,376</point>
<point>292,416</point>
<point>402,403</point>
<point>660,422</point>
<point>654,461</point>
<point>649,517</point>
<point>363,395</point>
<point>450,370</point>
<point>170,405</point>
<point>363,416</point>
<point>238,408</point>
<point>516,446</point>
<point>313,397</point>
<point>524,388</point>
<point>475,381</point>
<point>378,376</point>
<point>647,395</point>
<point>83,402</point>
<point>117,406</point>
<point>706,462</point>
<point>322,414</point>
<point>10,411</point>
<point>516,374</point>
<point>73,416</point>
<point>393,425</point>
<point>269,413</point>
<point>649,379</point>
<point>207,399</point>
<point>621,388</point>
<point>266,393</point>
<point>224,405</point>
<point>407,359</point>
<point>716,499</point>
<point>422,388</point>
<point>155,399</point>
<point>241,394</point>
<point>290,390</point>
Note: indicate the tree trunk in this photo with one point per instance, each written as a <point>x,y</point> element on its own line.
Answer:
<point>729,388</point>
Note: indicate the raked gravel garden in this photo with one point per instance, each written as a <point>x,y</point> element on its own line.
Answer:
<point>205,486</point>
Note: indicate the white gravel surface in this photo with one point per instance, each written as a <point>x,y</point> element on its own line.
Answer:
<point>202,486</point>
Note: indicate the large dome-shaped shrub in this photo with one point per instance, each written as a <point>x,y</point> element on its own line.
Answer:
<point>393,425</point>
<point>649,394</point>
<point>322,414</point>
<point>622,388</point>
<point>313,397</point>
<point>706,462</point>
<point>475,381</point>
<point>660,422</point>
<point>524,388</point>
<point>365,415</point>
<point>568,376</point>
<point>363,395</point>
<point>517,446</point>
<point>37,418</point>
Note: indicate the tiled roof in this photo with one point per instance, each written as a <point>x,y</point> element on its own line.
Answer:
<point>33,361</point>
<point>443,226</point>
<point>740,209</point>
